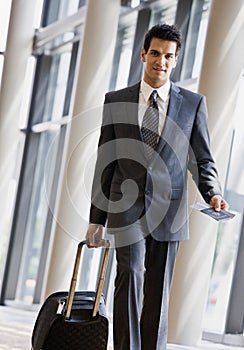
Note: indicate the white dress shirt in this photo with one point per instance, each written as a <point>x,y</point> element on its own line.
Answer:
<point>162,101</point>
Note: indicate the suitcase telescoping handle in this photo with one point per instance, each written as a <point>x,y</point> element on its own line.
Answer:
<point>100,281</point>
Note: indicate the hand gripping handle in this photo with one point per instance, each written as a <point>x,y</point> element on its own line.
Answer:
<point>71,294</point>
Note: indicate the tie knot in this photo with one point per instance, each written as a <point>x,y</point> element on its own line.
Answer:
<point>153,98</point>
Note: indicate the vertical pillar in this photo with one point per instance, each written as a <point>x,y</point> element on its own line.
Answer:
<point>18,50</point>
<point>93,76</point>
<point>221,70</point>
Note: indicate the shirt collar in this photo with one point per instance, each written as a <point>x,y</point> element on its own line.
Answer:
<point>163,91</point>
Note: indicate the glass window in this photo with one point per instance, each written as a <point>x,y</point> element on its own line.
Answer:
<point>68,8</point>
<point>229,232</point>
<point>59,9</point>
<point>38,14</point>
<point>123,51</point>
<point>193,23</point>
<point>51,75</point>
<point>37,215</point>
<point>199,48</point>
<point>56,87</point>
<point>5,7</point>
<point>51,94</point>
<point>1,68</point>
<point>163,12</point>
<point>160,12</point>
<point>222,274</point>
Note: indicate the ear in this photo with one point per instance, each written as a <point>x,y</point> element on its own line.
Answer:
<point>143,55</point>
<point>176,61</point>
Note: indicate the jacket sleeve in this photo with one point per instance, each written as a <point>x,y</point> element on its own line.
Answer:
<point>201,163</point>
<point>104,169</point>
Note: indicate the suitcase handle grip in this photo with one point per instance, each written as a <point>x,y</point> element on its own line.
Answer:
<point>71,294</point>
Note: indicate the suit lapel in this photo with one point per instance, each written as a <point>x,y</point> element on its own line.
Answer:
<point>132,109</point>
<point>175,101</point>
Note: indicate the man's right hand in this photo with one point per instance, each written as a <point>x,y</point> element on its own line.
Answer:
<point>94,234</point>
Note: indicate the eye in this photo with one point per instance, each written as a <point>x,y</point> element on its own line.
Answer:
<point>154,53</point>
<point>169,57</point>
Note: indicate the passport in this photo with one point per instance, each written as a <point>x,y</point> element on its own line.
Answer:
<point>221,215</point>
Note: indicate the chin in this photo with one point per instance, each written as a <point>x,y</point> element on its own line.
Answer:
<point>162,81</point>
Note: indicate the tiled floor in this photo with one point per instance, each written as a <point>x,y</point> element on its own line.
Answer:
<point>16,327</point>
<point>203,346</point>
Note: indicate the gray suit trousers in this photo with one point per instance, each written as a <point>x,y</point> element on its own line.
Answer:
<point>142,286</point>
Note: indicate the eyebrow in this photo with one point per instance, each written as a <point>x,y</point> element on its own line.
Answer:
<point>156,51</point>
<point>153,50</point>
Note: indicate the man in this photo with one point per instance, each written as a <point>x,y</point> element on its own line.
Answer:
<point>152,133</point>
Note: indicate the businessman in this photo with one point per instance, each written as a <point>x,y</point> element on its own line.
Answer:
<point>152,133</point>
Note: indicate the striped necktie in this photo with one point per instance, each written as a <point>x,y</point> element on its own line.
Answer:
<point>150,124</point>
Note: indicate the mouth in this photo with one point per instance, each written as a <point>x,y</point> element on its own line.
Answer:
<point>158,69</point>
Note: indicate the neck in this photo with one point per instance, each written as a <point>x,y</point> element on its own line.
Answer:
<point>155,85</point>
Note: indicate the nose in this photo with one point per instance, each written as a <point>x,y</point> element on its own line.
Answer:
<point>161,61</point>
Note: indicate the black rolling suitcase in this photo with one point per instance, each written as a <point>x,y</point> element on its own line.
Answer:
<point>73,320</point>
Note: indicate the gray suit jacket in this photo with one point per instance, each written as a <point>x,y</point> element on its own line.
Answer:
<point>128,186</point>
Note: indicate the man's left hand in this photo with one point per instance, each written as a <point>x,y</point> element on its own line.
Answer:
<point>218,203</point>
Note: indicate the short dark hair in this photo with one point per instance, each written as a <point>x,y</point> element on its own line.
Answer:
<point>164,32</point>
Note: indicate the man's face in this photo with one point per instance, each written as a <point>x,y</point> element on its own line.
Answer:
<point>159,61</point>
